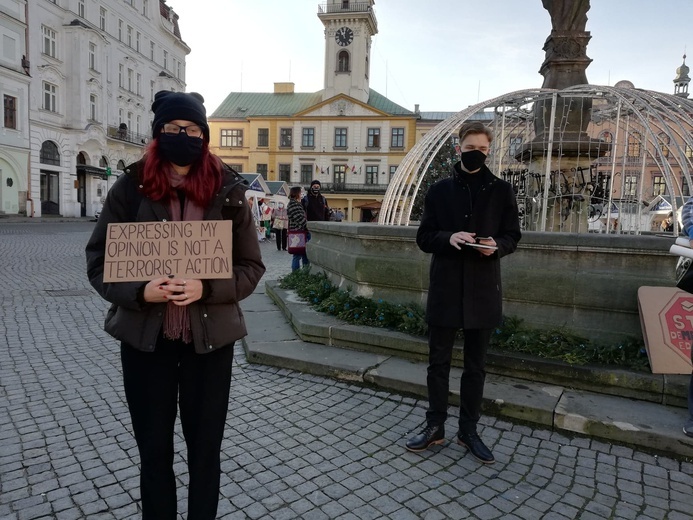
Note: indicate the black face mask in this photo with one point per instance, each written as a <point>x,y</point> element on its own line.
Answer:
<point>315,190</point>
<point>180,149</point>
<point>473,160</point>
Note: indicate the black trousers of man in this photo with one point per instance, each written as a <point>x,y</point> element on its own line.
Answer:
<point>440,343</point>
<point>155,384</point>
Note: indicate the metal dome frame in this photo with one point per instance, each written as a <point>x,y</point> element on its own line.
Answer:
<point>661,121</point>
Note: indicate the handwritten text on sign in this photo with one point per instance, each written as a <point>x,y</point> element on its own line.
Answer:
<point>142,251</point>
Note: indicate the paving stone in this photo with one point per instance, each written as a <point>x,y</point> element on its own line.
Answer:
<point>296,446</point>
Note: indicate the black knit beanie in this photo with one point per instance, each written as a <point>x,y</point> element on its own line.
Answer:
<point>169,106</point>
<point>315,181</point>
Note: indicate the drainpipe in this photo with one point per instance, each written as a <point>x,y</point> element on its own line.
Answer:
<point>29,200</point>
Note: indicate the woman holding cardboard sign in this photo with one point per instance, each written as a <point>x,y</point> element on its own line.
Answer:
<point>177,332</point>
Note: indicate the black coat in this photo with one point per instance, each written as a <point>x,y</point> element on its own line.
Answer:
<point>465,286</point>
<point>216,320</point>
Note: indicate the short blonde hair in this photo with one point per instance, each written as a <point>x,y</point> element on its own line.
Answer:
<point>474,127</point>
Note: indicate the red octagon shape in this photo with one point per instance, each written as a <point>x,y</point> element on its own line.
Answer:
<point>676,319</point>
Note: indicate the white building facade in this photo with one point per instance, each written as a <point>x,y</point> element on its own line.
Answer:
<point>95,66</point>
<point>14,90</point>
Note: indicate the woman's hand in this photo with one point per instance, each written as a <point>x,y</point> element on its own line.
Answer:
<point>177,290</point>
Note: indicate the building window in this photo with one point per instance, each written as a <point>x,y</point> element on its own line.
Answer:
<point>372,174</point>
<point>608,138</point>
<point>138,84</point>
<point>102,19</point>
<point>232,138</point>
<point>50,93</point>
<point>308,138</point>
<point>92,56</point>
<point>262,170</point>
<point>10,105</point>
<point>120,30</point>
<point>685,189</point>
<point>664,144</point>
<point>92,107</point>
<point>263,137</point>
<point>340,137</point>
<point>151,51</point>
<point>689,152</point>
<point>393,170</point>
<point>343,62</point>
<point>373,138</point>
<point>237,167</point>
<point>49,41</point>
<point>144,7</point>
<point>49,153</point>
<point>285,138</point>
<point>340,174</point>
<point>130,74</point>
<point>397,140</point>
<point>659,187</point>
<point>630,184</point>
<point>80,8</point>
<point>306,173</point>
<point>138,39</point>
<point>345,4</point>
<point>121,71</point>
<point>285,172</point>
<point>633,145</point>
<point>165,60</point>
<point>129,42</point>
<point>514,146</point>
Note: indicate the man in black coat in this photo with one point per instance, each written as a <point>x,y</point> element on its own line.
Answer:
<point>315,203</point>
<point>469,222</point>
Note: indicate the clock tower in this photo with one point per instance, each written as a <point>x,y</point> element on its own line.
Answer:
<point>349,27</point>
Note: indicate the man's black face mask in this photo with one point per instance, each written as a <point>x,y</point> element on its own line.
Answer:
<point>473,160</point>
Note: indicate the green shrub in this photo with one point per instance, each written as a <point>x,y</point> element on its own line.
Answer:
<point>511,336</point>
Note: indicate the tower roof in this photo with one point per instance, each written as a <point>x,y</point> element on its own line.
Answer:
<point>682,72</point>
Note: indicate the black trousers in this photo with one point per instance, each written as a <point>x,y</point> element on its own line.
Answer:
<point>155,384</point>
<point>440,342</point>
<point>281,236</point>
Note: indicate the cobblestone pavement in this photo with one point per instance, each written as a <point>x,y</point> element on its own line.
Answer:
<point>297,446</point>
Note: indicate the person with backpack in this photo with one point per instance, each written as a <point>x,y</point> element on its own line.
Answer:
<point>315,203</point>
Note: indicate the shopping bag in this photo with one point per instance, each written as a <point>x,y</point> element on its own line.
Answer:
<point>296,242</point>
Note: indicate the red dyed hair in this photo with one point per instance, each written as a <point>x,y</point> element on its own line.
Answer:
<point>201,183</point>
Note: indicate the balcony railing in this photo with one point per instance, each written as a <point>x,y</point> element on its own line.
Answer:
<point>123,134</point>
<point>339,187</point>
<point>342,7</point>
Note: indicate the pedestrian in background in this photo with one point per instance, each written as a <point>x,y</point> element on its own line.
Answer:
<point>471,208</point>
<point>280,224</point>
<point>297,222</point>
<point>315,203</point>
<point>176,334</point>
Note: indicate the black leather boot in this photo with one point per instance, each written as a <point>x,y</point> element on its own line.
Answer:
<point>476,447</point>
<point>429,435</point>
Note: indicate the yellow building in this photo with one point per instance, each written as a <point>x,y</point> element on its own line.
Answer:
<point>346,135</point>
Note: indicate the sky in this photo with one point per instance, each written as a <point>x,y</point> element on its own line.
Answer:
<point>443,55</point>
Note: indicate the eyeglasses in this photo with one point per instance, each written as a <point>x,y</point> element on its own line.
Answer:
<point>190,130</point>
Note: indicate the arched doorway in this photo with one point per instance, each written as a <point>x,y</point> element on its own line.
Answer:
<point>49,179</point>
<point>82,184</point>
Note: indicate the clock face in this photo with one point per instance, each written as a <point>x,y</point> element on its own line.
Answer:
<point>344,36</point>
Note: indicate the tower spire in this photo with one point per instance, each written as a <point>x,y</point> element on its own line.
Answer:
<point>682,79</point>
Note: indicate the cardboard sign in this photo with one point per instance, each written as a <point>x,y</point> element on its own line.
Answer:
<point>142,251</point>
<point>666,315</point>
